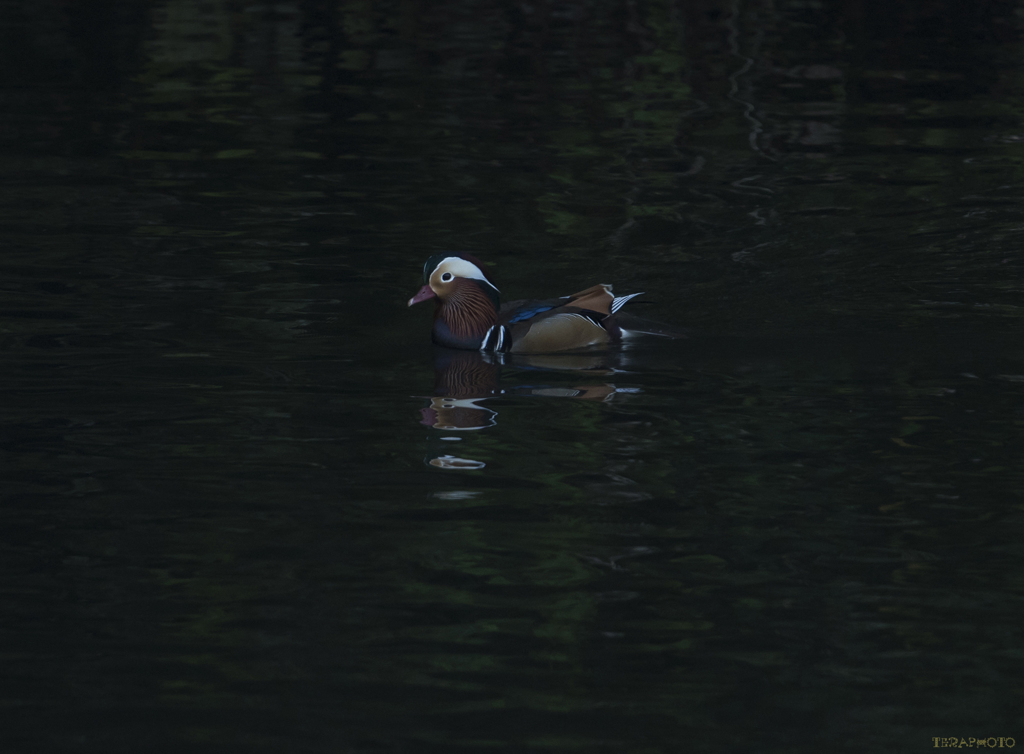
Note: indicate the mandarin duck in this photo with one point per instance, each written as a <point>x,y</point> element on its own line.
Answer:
<point>468,314</point>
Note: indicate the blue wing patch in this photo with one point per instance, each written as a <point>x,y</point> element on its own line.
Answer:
<point>530,312</point>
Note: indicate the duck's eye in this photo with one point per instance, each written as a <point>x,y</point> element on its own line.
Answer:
<point>446,278</point>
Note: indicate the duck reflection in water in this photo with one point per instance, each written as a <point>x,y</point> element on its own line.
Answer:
<point>463,380</point>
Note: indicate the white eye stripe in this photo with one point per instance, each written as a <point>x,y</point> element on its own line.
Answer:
<point>459,267</point>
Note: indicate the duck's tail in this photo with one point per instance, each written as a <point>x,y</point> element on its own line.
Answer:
<point>619,301</point>
<point>631,325</point>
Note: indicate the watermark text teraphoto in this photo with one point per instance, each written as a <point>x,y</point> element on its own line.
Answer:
<point>973,743</point>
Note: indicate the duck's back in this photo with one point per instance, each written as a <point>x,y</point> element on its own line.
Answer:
<point>559,324</point>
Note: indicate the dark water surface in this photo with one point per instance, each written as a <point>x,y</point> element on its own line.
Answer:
<point>246,508</point>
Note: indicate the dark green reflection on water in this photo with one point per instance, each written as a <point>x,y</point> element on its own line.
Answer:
<point>798,530</point>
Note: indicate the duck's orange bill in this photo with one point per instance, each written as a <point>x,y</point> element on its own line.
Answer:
<point>423,295</point>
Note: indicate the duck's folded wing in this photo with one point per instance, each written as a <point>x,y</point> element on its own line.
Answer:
<point>596,298</point>
<point>526,308</point>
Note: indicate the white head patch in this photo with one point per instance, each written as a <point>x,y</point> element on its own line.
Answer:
<point>460,268</point>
